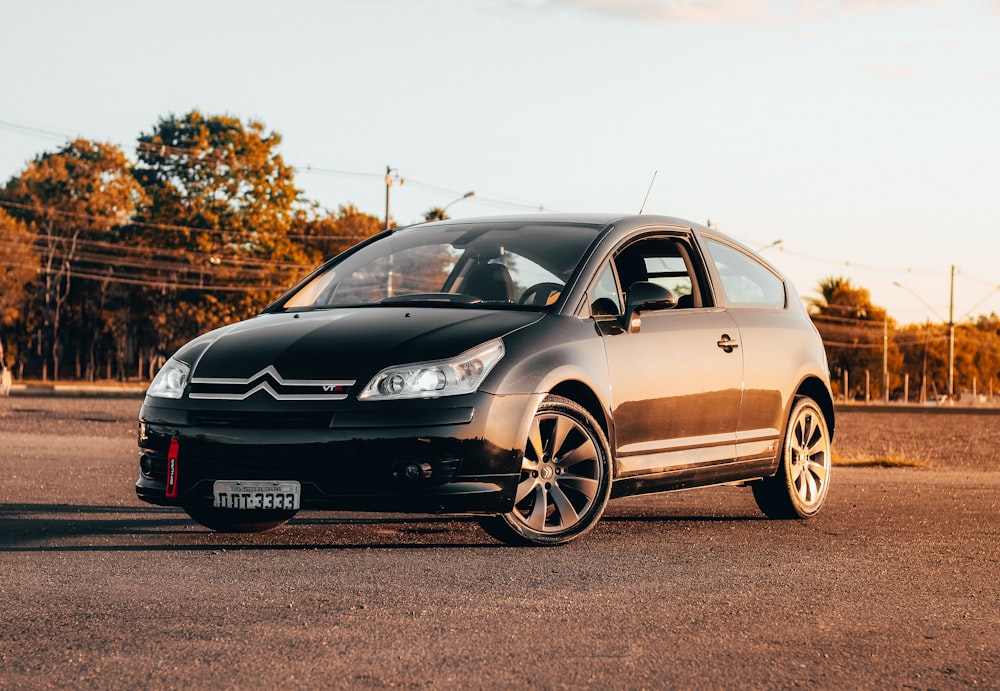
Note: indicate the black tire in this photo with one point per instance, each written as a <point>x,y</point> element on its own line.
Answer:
<point>237,520</point>
<point>799,488</point>
<point>566,476</point>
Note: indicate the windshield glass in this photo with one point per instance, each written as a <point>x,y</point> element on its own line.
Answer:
<point>490,264</point>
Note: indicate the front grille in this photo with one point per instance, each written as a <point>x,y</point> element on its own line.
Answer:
<point>268,381</point>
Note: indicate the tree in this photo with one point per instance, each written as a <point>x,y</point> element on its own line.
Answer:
<point>18,266</point>
<point>75,197</point>
<point>925,357</point>
<point>854,331</point>
<point>977,354</point>
<point>220,201</point>
<point>435,213</point>
<point>323,236</point>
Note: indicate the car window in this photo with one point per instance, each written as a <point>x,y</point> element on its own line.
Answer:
<point>604,295</point>
<point>669,272</point>
<point>660,260</point>
<point>525,273</point>
<point>745,281</point>
<point>489,264</point>
<point>421,269</point>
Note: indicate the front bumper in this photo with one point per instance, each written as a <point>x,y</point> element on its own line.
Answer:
<point>456,455</point>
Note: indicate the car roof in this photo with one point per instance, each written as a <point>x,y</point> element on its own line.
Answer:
<point>597,219</point>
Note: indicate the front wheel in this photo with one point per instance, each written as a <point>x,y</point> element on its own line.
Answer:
<point>238,521</point>
<point>565,479</point>
<point>800,487</point>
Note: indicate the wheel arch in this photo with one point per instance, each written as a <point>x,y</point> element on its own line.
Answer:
<point>582,394</point>
<point>816,389</point>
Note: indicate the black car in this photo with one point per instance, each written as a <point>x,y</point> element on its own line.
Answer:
<point>524,369</point>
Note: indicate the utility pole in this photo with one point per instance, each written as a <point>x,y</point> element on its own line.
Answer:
<point>391,175</point>
<point>951,339</point>
<point>885,357</point>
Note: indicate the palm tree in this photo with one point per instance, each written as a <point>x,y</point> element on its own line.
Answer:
<point>435,214</point>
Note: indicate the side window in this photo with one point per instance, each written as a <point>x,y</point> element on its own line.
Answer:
<point>664,261</point>
<point>745,281</point>
<point>604,296</point>
<point>669,272</point>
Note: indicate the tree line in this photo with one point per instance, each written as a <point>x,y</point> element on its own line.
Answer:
<point>873,358</point>
<point>110,264</point>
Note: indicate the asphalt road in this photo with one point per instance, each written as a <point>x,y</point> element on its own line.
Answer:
<point>895,584</point>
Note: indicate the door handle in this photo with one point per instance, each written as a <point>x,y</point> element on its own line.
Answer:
<point>727,344</point>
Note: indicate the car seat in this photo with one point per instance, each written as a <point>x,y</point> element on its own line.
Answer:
<point>490,282</point>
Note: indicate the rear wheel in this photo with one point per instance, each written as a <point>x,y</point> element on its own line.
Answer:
<point>800,487</point>
<point>238,521</point>
<point>565,478</point>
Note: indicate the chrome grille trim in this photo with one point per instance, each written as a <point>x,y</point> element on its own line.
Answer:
<point>334,388</point>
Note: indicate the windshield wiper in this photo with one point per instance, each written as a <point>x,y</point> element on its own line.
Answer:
<point>448,298</point>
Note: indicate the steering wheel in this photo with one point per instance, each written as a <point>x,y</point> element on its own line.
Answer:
<point>540,293</point>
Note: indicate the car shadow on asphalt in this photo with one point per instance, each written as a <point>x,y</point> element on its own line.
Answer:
<point>85,528</point>
<point>94,528</point>
<point>22,524</point>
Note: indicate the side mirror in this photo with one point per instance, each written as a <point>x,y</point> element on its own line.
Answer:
<point>644,296</point>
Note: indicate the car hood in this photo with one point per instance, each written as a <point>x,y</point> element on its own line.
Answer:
<point>350,343</point>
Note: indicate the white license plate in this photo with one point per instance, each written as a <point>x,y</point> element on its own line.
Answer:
<point>257,494</point>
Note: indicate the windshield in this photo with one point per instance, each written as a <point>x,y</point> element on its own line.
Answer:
<point>476,264</point>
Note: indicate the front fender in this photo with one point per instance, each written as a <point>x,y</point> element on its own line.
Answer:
<point>556,350</point>
<point>561,354</point>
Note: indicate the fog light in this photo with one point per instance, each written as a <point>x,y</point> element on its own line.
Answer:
<point>411,472</point>
<point>146,466</point>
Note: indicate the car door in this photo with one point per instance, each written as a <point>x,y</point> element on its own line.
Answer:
<point>771,341</point>
<point>676,381</point>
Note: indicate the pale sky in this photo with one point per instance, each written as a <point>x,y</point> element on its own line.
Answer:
<point>863,134</point>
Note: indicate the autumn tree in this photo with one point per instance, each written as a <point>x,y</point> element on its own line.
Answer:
<point>220,200</point>
<point>985,351</point>
<point>322,235</point>
<point>75,199</point>
<point>18,266</point>
<point>853,331</point>
<point>977,355</point>
<point>435,213</point>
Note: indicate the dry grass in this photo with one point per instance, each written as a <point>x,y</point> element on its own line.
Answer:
<point>918,438</point>
<point>892,461</point>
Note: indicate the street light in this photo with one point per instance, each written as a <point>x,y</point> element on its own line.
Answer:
<point>468,194</point>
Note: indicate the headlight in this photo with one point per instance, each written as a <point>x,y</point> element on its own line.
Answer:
<point>170,381</point>
<point>462,374</point>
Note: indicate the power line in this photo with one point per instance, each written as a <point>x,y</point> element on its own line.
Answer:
<point>336,173</point>
<point>165,151</point>
<point>166,284</point>
<point>36,208</point>
<point>26,129</point>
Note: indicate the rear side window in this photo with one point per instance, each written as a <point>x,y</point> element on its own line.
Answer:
<point>745,281</point>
